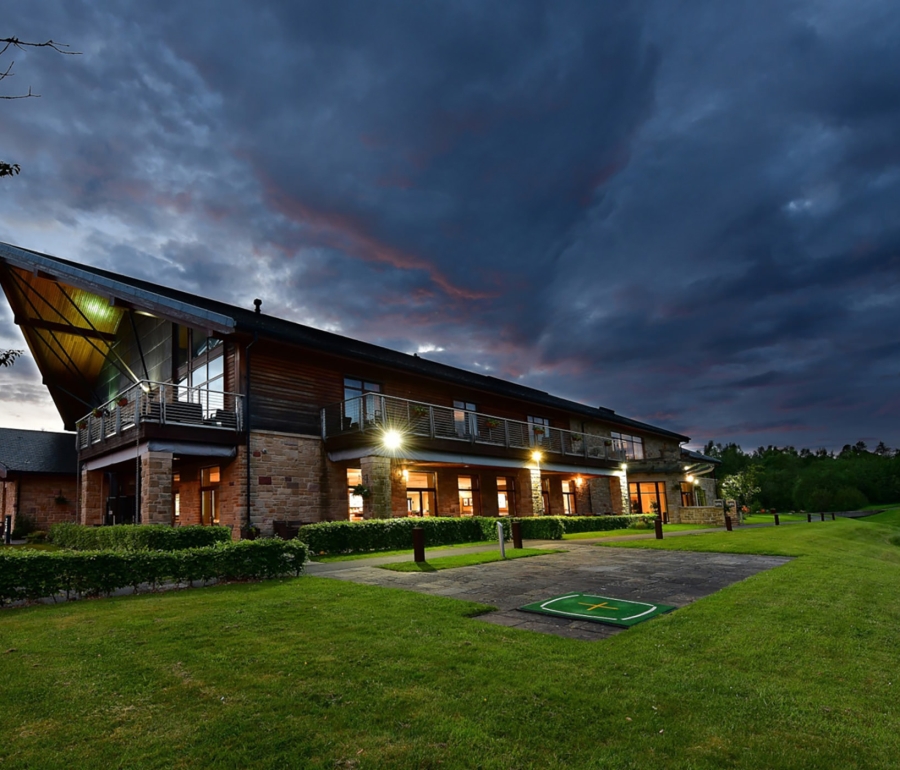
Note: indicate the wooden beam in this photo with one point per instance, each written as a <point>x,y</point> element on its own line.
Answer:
<point>52,326</point>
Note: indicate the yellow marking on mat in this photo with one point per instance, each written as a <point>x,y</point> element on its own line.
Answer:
<point>592,607</point>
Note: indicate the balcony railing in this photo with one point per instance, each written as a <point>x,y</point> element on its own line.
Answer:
<point>374,411</point>
<point>161,404</point>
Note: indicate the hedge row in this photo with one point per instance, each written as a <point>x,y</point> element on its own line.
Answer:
<point>33,575</point>
<point>334,537</point>
<point>136,537</point>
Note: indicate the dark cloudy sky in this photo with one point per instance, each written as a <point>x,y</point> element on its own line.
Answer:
<point>684,211</point>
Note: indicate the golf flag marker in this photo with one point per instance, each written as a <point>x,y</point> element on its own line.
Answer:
<point>598,609</point>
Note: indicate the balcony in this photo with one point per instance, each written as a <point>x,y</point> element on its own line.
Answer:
<point>365,417</point>
<point>146,404</point>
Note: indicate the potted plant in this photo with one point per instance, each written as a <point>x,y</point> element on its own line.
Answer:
<point>538,430</point>
<point>362,490</point>
<point>61,499</point>
<point>123,401</point>
<point>419,411</point>
<point>98,412</point>
<point>250,532</point>
<point>492,423</point>
<point>81,424</point>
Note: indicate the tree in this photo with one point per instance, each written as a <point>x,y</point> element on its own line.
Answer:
<point>741,487</point>
<point>8,356</point>
<point>12,43</point>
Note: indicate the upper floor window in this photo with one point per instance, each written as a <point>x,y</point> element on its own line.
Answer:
<point>200,364</point>
<point>539,430</point>
<point>464,419</point>
<point>633,446</point>
<point>359,403</point>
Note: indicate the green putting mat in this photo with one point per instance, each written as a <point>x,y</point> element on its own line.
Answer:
<point>599,609</point>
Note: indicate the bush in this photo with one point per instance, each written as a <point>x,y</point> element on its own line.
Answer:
<point>24,525</point>
<point>136,537</point>
<point>33,575</point>
<point>37,536</point>
<point>337,537</point>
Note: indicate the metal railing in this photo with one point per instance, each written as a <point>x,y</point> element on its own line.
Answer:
<point>374,411</point>
<point>163,404</point>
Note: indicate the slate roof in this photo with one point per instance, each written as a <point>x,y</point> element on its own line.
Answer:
<point>35,451</point>
<point>249,322</point>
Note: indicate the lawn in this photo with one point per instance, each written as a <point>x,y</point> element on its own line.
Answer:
<point>464,560</point>
<point>793,668</point>
<point>404,552</point>
<point>768,518</point>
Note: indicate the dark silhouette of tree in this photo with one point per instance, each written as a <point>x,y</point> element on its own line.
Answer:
<point>8,356</point>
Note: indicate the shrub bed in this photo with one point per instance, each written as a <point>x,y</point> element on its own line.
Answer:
<point>336,537</point>
<point>29,575</point>
<point>136,537</point>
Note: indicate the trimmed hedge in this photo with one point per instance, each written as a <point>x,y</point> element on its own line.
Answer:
<point>335,537</point>
<point>29,575</point>
<point>136,537</point>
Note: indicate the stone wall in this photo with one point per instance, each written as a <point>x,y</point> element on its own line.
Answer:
<point>92,504</point>
<point>706,514</point>
<point>156,488</point>
<point>601,495</point>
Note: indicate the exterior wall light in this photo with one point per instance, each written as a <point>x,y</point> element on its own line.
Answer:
<point>392,439</point>
<point>690,479</point>
<point>405,474</point>
<point>536,456</point>
<point>624,466</point>
<point>579,481</point>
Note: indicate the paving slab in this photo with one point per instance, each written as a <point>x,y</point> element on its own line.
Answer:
<point>666,577</point>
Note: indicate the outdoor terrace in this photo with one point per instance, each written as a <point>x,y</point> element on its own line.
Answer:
<point>146,404</point>
<point>367,417</point>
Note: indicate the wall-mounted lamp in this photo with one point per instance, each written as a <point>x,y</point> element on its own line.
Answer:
<point>579,481</point>
<point>536,455</point>
<point>392,439</point>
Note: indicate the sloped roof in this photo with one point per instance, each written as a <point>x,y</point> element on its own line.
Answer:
<point>203,312</point>
<point>34,451</point>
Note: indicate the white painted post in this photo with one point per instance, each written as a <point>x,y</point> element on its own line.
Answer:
<point>500,538</point>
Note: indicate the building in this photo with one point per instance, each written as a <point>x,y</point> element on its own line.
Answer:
<point>189,410</point>
<point>38,473</point>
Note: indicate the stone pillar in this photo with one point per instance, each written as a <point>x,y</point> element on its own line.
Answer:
<point>376,475</point>
<point>618,490</point>
<point>601,497</point>
<point>537,495</point>
<point>92,505</point>
<point>399,505</point>
<point>156,488</point>
<point>583,498</point>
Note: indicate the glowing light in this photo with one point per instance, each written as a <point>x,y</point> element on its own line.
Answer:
<point>392,439</point>
<point>405,474</point>
<point>690,479</point>
<point>536,456</point>
<point>624,466</point>
<point>579,481</point>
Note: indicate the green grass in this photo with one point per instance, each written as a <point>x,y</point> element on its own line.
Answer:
<point>631,531</point>
<point>464,560</point>
<point>405,552</point>
<point>758,518</point>
<point>793,668</point>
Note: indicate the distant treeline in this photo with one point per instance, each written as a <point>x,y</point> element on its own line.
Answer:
<point>814,480</point>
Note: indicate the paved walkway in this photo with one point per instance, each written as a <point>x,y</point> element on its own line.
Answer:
<point>666,577</point>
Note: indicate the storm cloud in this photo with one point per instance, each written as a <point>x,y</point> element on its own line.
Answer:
<point>684,213</point>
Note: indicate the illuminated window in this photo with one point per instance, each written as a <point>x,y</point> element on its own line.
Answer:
<point>568,490</point>
<point>469,496</point>
<point>632,446</point>
<point>209,495</point>
<point>421,494</point>
<point>360,401</point>
<point>200,365</point>
<point>354,479</point>
<point>506,496</point>
<point>649,497</point>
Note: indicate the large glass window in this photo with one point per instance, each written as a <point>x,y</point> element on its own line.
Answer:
<point>201,370</point>
<point>464,419</point>
<point>539,431</point>
<point>421,494</point>
<point>687,494</point>
<point>632,446</point>
<point>359,401</point>
<point>469,496</point>
<point>354,479</point>
<point>649,497</point>
<point>506,496</point>
<point>545,494</point>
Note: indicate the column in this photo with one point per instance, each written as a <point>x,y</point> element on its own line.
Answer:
<point>92,506</point>
<point>156,488</point>
<point>376,475</point>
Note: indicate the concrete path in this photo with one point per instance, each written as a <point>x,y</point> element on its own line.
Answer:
<point>666,577</point>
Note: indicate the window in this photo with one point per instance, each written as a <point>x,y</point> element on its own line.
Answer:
<point>421,494</point>
<point>687,494</point>
<point>545,494</point>
<point>360,403</point>
<point>469,496</point>
<point>568,490</point>
<point>649,497</point>
<point>464,419</point>
<point>209,495</point>
<point>631,446</point>
<point>539,431</point>
<point>354,478</point>
<point>200,370</point>
<point>506,496</point>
